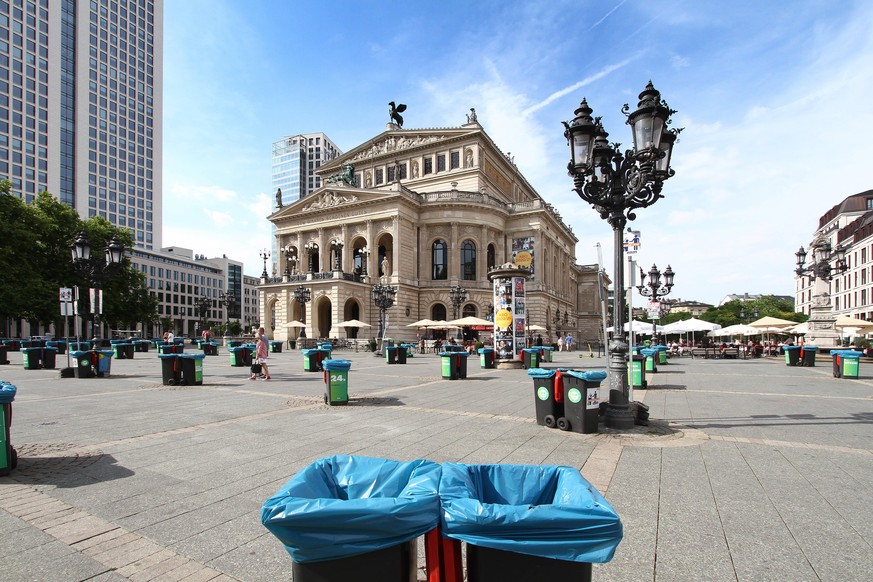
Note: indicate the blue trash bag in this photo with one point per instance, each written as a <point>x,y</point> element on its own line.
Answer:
<point>7,392</point>
<point>546,511</point>
<point>344,505</point>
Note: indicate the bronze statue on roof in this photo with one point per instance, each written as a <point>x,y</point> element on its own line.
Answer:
<point>394,111</point>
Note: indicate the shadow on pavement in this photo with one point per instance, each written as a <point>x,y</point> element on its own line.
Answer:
<point>66,470</point>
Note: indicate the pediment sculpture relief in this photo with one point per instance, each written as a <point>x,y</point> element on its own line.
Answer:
<point>330,199</point>
<point>395,144</point>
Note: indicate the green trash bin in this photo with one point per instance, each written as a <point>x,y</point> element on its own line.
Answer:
<point>792,355</point>
<point>530,358</point>
<point>637,370</point>
<point>546,353</point>
<point>662,354</point>
<point>311,359</point>
<point>276,347</point>
<point>240,356</point>
<point>548,397</point>
<point>582,399</point>
<point>851,362</point>
<point>336,381</point>
<point>449,370</point>
<point>82,363</point>
<point>651,362</point>
<point>31,358</point>
<point>171,369</point>
<point>486,357</point>
<point>391,354</point>
<point>192,368</point>
<point>8,456</point>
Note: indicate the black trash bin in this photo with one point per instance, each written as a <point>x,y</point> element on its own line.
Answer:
<point>311,359</point>
<point>31,358</point>
<point>276,347</point>
<point>171,369</point>
<point>530,358</point>
<point>523,522</point>
<point>401,355</point>
<point>637,370</point>
<point>391,354</point>
<point>548,397</point>
<point>8,456</point>
<point>192,368</point>
<point>807,356</point>
<point>355,518</point>
<point>3,359</point>
<point>449,370</point>
<point>486,357</point>
<point>49,358</point>
<point>83,366</point>
<point>582,399</point>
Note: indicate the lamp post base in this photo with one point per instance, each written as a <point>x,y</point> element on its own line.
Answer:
<point>619,416</point>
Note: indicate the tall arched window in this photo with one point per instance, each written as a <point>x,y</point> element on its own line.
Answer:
<point>469,310</point>
<point>440,252</point>
<point>468,261</point>
<point>491,259</point>
<point>438,312</point>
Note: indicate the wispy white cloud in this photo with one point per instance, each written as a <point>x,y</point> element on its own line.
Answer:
<point>607,15</point>
<point>576,86</point>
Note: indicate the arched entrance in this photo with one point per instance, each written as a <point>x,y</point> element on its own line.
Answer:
<point>352,310</point>
<point>323,317</point>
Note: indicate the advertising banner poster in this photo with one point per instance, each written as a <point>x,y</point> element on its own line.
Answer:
<point>523,252</point>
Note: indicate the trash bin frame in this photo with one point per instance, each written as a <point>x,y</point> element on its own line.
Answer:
<point>577,388</point>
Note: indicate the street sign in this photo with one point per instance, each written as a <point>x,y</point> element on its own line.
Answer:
<point>653,308</point>
<point>632,242</point>
<point>66,295</point>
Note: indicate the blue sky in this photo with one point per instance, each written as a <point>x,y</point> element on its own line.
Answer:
<point>774,98</point>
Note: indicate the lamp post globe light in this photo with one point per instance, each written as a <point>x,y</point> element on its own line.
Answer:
<point>311,249</point>
<point>96,270</point>
<point>655,290</point>
<point>290,263</point>
<point>365,256</point>
<point>616,184</point>
<point>337,247</point>
<point>744,317</point>
<point>383,297</point>
<point>826,262</point>
<point>457,295</point>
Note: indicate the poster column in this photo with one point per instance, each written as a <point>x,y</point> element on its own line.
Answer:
<point>509,311</point>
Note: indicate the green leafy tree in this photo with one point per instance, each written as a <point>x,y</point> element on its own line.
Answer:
<point>18,234</point>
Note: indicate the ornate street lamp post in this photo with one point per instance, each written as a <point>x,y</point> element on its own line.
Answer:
<point>458,295</point>
<point>229,302</point>
<point>655,290</point>
<point>302,295</point>
<point>96,270</point>
<point>204,304</point>
<point>264,254</point>
<point>743,314</point>
<point>616,184</point>
<point>826,263</point>
<point>365,257</point>
<point>383,297</point>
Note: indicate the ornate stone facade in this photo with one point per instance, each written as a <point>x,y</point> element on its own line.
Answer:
<point>429,209</point>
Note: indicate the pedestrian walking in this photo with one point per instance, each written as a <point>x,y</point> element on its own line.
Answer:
<point>261,354</point>
<point>569,342</point>
<point>560,343</point>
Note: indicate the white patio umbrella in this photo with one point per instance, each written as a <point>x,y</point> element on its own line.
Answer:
<point>422,323</point>
<point>470,321</point>
<point>640,327</point>
<point>690,325</point>
<point>295,323</point>
<point>536,327</point>
<point>353,323</point>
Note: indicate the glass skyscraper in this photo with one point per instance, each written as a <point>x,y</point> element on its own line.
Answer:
<point>80,107</point>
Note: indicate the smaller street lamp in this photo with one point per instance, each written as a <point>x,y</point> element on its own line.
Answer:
<point>654,289</point>
<point>264,254</point>
<point>290,262</point>
<point>743,314</point>
<point>204,304</point>
<point>823,254</point>
<point>457,295</point>
<point>383,297</point>
<point>302,295</point>
<point>95,270</point>
<point>229,302</point>
<point>365,257</point>
<point>311,249</point>
<point>337,247</point>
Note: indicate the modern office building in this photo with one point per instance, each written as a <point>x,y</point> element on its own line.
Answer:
<point>424,210</point>
<point>295,161</point>
<point>80,107</point>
